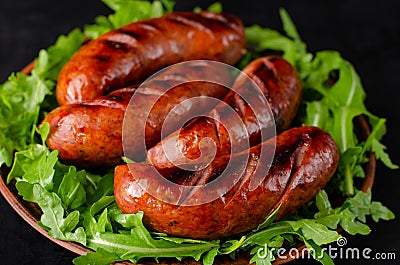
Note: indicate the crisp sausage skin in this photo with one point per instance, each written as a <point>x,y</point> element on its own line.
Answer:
<point>130,54</point>
<point>305,159</point>
<point>90,134</point>
<point>281,86</point>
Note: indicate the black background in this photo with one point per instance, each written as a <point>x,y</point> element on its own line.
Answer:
<point>366,32</point>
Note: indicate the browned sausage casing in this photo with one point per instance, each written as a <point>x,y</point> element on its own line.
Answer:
<point>130,54</point>
<point>280,84</point>
<point>89,134</point>
<point>304,161</point>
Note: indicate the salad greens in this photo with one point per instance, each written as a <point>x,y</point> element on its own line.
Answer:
<point>79,206</point>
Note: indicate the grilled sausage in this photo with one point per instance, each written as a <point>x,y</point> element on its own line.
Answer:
<point>281,86</point>
<point>305,159</point>
<point>89,134</point>
<point>128,55</point>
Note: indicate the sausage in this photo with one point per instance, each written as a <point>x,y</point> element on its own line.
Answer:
<point>280,85</point>
<point>304,161</point>
<point>128,55</point>
<point>90,134</point>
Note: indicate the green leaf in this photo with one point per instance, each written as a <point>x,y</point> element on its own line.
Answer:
<point>360,204</point>
<point>103,187</point>
<point>139,243</point>
<point>378,211</point>
<point>50,61</point>
<point>71,189</point>
<point>168,5</point>
<point>288,25</point>
<point>41,170</point>
<point>209,257</point>
<point>100,257</point>
<point>215,7</point>
<point>269,219</point>
<point>349,223</point>
<point>53,213</point>
<point>263,256</point>
<point>20,98</point>
<point>25,157</point>
<point>323,204</point>
<point>379,150</point>
<point>44,131</point>
<point>318,253</point>
<point>101,204</point>
<point>231,246</point>
<point>312,230</point>
<point>317,115</point>
<point>126,11</point>
<point>35,164</point>
<point>263,236</point>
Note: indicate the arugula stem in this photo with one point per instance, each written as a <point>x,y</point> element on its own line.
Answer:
<point>348,178</point>
<point>372,136</point>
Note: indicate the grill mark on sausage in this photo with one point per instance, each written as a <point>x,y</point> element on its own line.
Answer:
<point>262,74</point>
<point>176,21</point>
<point>130,33</point>
<point>297,155</point>
<point>150,25</point>
<point>103,58</point>
<point>116,45</point>
<point>216,16</point>
<point>190,22</point>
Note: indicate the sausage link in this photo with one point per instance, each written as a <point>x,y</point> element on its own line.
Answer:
<point>90,134</point>
<point>281,86</point>
<point>128,55</point>
<point>304,161</point>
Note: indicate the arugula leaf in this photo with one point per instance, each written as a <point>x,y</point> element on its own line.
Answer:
<point>100,257</point>
<point>215,7</point>
<point>262,255</point>
<point>20,98</point>
<point>49,63</point>
<point>317,252</point>
<point>329,104</point>
<point>311,229</point>
<point>126,11</point>
<point>41,170</point>
<point>373,144</point>
<point>71,189</point>
<point>53,213</point>
<point>138,244</point>
<point>104,186</point>
<point>209,257</point>
<point>378,211</point>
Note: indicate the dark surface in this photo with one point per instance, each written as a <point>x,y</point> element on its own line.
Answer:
<point>366,32</point>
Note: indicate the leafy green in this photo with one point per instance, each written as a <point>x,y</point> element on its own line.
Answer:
<point>53,213</point>
<point>20,98</point>
<point>138,243</point>
<point>71,189</point>
<point>333,97</point>
<point>215,7</point>
<point>49,62</point>
<point>322,229</point>
<point>126,11</point>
